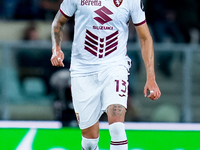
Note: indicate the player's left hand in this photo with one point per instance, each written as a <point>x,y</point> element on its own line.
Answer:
<point>152,86</point>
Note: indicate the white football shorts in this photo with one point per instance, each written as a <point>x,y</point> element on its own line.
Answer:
<point>93,94</point>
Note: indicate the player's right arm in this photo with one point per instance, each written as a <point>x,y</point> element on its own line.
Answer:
<point>56,36</point>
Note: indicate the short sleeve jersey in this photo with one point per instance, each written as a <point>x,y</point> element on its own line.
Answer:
<point>101,32</point>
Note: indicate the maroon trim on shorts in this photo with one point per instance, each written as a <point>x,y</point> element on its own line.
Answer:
<point>138,24</point>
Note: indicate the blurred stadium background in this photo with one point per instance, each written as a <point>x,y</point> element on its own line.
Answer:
<point>29,89</point>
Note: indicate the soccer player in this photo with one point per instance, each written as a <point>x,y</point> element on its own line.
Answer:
<point>100,65</point>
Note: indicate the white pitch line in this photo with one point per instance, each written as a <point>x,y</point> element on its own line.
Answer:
<point>31,124</point>
<point>104,125</point>
<point>157,126</point>
<point>27,141</point>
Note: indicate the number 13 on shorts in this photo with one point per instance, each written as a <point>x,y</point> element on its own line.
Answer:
<point>121,87</point>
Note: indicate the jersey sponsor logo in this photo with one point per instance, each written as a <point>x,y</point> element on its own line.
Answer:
<point>103,13</point>
<point>117,2</point>
<point>91,2</point>
<point>101,47</point>
<point>102,27</point>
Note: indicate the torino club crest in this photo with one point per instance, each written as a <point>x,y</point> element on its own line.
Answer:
<point>117,2</point>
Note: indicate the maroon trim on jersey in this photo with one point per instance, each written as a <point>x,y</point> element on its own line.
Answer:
<point>112,35</point>
<point>101,39</point>
<point>119,143</point>
<point>111,46</point>
<point>64,14</point>
<point>92,35</point>
<point>91,40</point>
<point>100,50</point>
<point>90,45</point>
<point>107,53</point>
<point>101,45</point>
<point>95,45</point>
<point>138,24</point>
<point>107,43</point>
<point>91,51</point>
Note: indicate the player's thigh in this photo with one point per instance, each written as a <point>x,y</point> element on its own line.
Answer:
<point>86,100</point>
<point>115,94</point>
<point>116,88</point>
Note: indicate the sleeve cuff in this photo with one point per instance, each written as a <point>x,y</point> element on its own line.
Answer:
<point>138,24</point>
<point>64,14</point>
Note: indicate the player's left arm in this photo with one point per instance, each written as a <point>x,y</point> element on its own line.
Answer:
<point>146,43</point>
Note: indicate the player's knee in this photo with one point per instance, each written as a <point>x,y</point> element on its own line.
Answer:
<point>116,113</point>
<point>90,144</point>
<point>117,130</point>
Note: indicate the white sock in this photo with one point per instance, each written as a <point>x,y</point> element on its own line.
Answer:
<point>89,144</point>
<point>118,136</point>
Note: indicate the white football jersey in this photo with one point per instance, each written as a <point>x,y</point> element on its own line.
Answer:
<point>101,32</point>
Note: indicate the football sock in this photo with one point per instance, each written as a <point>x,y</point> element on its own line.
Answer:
<point>89,144</point>
<point>118,136</point>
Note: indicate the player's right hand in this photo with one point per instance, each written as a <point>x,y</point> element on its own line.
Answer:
<point>57,58</point>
